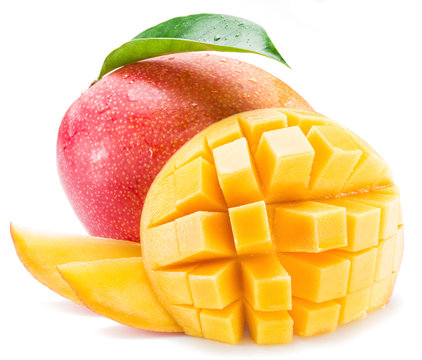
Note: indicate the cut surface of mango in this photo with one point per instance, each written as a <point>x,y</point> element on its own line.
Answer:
<point>284,221</point>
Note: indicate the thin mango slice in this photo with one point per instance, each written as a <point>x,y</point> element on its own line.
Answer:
<point>120,290</point>
<point>41,252</point>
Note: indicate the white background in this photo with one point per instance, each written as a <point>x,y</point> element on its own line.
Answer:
<point>359,62</point>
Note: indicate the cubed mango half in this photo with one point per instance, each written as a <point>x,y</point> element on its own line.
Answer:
<point>279,218</point>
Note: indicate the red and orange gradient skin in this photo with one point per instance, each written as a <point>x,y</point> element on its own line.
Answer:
<point>117,135</point>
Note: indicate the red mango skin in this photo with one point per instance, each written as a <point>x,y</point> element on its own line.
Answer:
<point>117,135</point>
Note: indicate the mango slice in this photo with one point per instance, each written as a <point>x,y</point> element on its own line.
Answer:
<point>105,275</point>
<point>120,290</point>
<point>277,218</point>
<point>41,252</point>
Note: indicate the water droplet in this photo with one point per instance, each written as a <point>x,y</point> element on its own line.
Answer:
<point>217,37</point>
<point>101,105</point>
<point>237,35</point>
<point>151,153</point>
<point>223,60</point>
<point>253,80</point>
<point>194,104</point>
<point>171,58</point>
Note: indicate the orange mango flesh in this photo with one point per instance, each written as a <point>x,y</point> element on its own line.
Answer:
<point>41,252</point>
<point>105,275</point>
<point>284,159</point>
<point>306,234</point>
<point>120,290</point>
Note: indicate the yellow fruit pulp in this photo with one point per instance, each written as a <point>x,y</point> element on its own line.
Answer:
<point>41,252</point>
<point>279,218</point>
<point>105,275</point>
<point>120,290</point>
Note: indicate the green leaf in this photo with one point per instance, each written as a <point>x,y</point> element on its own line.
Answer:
<point>201,32</point>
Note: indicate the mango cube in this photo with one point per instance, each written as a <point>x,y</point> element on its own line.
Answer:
<point>392,190</point>
<point>363,224</point>
<point>205,235</point>
<point>163,247</point>
<point>196,187</point>
<point>234,166</point>
<point>266,284</point>
<point>251,229</point>
<point>390,210</point>
<point>224,325</point>
<point>164,208</point>
<point>317,277</point>
<point>305,120</point>
<point>311,318</point>
<point>362,267</point>
<point>222,134</point>
<point>199,148</point>
<point>269,327</point>
<point>380,293</point>
<point>385,261</point>
<point>188,318</point>
<point>354,305</point>
<point>368,169</point>
<point>393,280</point>
<point>309,227</point>
<point>335,158</point>
<point>284,161</point>
<point>399,247</point>
<point>254,125</point>
<point>385,178</point>
<point>214,285</point>
<point>174,284</point>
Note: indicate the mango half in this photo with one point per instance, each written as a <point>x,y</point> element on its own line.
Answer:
<point>277,218</point>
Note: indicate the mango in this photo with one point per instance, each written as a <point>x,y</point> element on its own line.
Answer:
<point>115,138</point>
<point>41,252</point>
<point>279,219</point>
<point>120,290</point>
<point>310,318</point>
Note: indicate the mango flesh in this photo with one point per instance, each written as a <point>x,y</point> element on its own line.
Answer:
<point>41,252</point>
<point>118,289</point>
<point>105,275</point>
<point>285,221</point>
